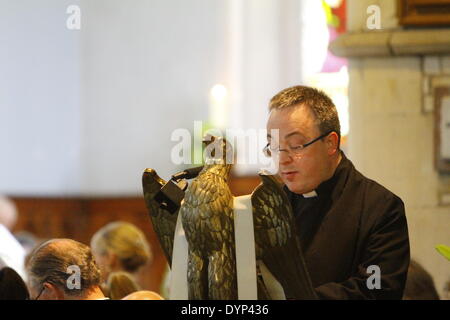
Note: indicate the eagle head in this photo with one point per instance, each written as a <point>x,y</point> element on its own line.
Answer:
<point>217,150</point>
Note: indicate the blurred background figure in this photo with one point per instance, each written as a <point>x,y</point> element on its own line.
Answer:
<point>120,246</point>
<point>143,295</point>
<point>419,284</point>
<point>11,252</point>
<point>119,285</point>
<point>63,269</point>
<point>12,286</point>
<point>8,213</point>
<point>27,240</point>
<point>446,295</point>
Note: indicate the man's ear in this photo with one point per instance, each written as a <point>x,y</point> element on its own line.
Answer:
<point>332,143</point>
<point>52,292</point>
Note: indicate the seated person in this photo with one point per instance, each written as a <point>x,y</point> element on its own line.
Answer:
<point>63,269</point>
<point>120,246</point>
<point>12,253</point>
<point>119,285</point>
<point>419,284</point>
<point>446,295</point>
<point>12,287</point>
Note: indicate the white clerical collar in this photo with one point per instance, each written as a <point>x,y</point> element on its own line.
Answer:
<point>311,194</point>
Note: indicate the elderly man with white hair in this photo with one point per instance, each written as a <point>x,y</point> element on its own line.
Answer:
<point>12,254</point>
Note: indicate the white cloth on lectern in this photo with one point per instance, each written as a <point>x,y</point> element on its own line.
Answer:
<point>178,274</point>
<point>245,248</point>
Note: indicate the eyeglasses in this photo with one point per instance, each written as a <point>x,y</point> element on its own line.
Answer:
<point>295,151</point>
<point>42,290</point>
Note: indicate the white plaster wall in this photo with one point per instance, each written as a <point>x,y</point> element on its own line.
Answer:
<point>84,112</point>
<point>269,44</point>
<point>39,98</point>
<point>147,69</point>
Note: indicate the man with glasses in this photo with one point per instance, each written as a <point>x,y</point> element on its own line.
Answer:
<point>352,230</point>
<point>63,269</point>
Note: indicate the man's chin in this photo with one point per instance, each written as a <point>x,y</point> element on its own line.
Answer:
<point>298,189</point>
<point>294,188</point>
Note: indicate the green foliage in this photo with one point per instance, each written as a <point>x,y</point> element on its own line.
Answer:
<point>332,19</point>
<point>444,250</point>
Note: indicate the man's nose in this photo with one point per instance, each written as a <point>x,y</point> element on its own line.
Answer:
<point>284,157</point>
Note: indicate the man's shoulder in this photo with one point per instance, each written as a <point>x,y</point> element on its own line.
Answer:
<point>378,205</point>
<point>374,193</point>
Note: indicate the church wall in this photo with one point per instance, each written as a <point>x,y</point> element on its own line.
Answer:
<point>39,98</point>
<point>83,112</point>
<point>147,69</point>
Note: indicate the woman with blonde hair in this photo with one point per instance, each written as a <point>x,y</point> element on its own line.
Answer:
<point>120,246</point>
<point>119,285</point>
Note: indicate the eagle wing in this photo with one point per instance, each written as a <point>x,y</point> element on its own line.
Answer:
<point>276,240</point>
<point>163,221</point>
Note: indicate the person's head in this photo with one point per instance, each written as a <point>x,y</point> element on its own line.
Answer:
<point>143,295</point>
<point>12,287</point>
<point>120,246</point>
<point>301,115</point>
<point>120,284</point>
<point>8,213</point>
<point>419,284</point>
<point>63,269</point>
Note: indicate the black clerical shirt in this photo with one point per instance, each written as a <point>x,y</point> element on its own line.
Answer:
<point>352,225</point>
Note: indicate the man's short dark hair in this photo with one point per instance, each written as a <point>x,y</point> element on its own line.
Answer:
<point>320,104</point>
<point>50,262</point>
